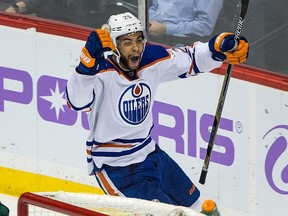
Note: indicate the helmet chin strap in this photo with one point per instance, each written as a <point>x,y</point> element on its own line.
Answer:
<point>107,53</point>
<point>117,55</point>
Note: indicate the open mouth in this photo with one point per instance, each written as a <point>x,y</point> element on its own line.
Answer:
<point>134,59</point>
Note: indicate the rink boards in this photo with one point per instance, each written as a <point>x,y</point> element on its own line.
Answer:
<point>42,142</point>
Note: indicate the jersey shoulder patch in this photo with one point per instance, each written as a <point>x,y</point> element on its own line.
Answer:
<point>153,54</point>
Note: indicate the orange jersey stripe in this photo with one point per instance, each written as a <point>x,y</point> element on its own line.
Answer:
<point>105,184</point>
<point>154,62</point>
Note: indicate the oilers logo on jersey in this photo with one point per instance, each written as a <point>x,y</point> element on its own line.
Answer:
<point>134,103</point>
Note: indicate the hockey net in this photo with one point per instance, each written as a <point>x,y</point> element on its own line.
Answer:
<point>66,203</point>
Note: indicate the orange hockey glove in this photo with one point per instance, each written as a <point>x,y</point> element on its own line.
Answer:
<point>223,46</point>
<point>98,42</point>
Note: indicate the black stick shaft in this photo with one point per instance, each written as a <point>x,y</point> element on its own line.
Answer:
<point>216,124</point>
<point>202,180</point>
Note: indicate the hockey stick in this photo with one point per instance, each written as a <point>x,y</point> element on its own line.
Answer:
<point>244,7</point>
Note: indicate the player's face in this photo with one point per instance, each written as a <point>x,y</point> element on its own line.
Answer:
<point>131,47</point>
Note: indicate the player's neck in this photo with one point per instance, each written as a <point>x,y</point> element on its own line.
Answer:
<point>131,74</point>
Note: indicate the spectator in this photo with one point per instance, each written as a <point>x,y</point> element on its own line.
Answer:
<point>61,10</point>
<point>182,20</point>
<point>5,4</point>
<point>21,7</point>
<point>92,13</point>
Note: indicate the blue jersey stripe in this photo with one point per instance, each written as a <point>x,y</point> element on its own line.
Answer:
<point>79,108</point>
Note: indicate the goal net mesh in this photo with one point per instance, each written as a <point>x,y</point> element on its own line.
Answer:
<point>103,204</point>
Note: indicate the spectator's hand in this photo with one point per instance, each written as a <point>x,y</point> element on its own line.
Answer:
<point>223,46</point>
<point>156,28</point>
<point>19,7</point>
<point>11,10</point>
<point>98,42</point>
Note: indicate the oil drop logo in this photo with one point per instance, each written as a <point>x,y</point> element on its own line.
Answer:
<point>134,103</point>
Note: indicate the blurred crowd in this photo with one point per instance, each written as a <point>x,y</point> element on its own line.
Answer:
<point>92,13</point>
<point>181,22</point>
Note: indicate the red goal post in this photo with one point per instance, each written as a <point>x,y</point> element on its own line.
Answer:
<point>76,204</point>
<point>54,205</point>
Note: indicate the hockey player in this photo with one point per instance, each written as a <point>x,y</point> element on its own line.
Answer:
<point>116,81</point>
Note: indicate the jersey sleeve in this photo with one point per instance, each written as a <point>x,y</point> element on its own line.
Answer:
<point>173,63</point>
<point>202,58</point>
<point>81,90</point>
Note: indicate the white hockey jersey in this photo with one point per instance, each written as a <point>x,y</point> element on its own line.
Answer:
<point>120,109</point>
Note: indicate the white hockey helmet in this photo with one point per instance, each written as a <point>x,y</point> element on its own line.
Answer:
<point>123,24</point>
